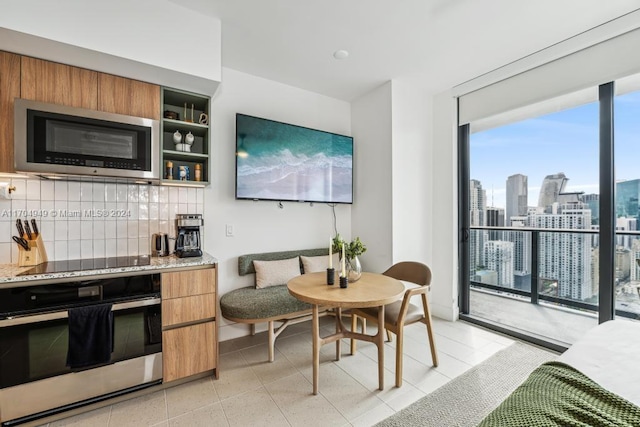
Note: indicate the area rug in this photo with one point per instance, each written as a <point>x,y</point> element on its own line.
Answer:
<point>467,399</point>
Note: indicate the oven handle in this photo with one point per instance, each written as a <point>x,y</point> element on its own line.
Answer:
<point>44,317</point>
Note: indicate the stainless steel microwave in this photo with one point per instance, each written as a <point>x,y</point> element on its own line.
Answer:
<point>57,140</point>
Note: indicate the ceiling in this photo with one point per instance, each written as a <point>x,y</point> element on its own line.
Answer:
<point>440,43</point>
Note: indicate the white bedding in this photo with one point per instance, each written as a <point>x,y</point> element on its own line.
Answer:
<point>609,354</point>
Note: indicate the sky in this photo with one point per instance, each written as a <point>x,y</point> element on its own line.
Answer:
<point>565,141</point>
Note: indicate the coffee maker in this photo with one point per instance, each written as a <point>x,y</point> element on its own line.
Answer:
<point>188,242</point>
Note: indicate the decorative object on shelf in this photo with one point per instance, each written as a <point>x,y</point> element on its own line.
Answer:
<point>177,137</point>
<point>188,141</point>
<point>185,113</point>
<point>203,119</point>
<point>197,175</point>
<point>182,173</point>
<point>169,170</point>
<point>189,138</point>
<point>168,114</point>
<point>349,257</point>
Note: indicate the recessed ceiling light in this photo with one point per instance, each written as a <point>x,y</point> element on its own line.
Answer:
<point>341,54</point>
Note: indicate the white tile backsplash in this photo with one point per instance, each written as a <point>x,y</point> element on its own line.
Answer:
<point>91,219</point>
<point>74,191</point>
<point>7,230</point>
<point>33,189</point>
<point>47,190</point>
<point>86,191</point>
<point>61,189</point>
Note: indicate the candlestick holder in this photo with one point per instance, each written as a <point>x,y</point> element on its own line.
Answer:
<point>331,274</point>
<point>344,282</point>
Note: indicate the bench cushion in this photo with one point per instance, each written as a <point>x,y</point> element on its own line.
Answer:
<point>273,273</point>
<point>258,304</point>
<point>245,262</point>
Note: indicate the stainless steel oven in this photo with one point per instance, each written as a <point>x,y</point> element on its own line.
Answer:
<point>35,380</point>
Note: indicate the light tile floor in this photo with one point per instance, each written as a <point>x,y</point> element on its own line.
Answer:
<point>254,392</point>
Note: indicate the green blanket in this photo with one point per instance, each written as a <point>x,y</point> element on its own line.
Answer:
<point>555,394</point>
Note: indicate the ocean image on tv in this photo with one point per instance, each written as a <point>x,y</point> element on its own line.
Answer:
<point>277,161</point>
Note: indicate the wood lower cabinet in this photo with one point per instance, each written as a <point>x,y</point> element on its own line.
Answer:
<point>188,350</point>
<point>189,323</point>
<point>54,83</point>
<point>9,89</point>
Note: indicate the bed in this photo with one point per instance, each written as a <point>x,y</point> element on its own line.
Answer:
<point>594,383</point>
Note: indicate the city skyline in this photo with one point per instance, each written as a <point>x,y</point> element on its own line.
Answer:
<point>560,142</point>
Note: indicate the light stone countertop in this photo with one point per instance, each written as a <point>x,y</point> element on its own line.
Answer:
<point>11,275</point>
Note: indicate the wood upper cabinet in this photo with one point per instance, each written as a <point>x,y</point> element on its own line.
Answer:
<point>55,83</point>
<point>9,90</point>
<point>125,96</point>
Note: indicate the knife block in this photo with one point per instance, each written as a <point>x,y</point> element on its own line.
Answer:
<point>36,255</point>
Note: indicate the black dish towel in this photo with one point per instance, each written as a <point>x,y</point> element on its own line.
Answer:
<point>90,335</point>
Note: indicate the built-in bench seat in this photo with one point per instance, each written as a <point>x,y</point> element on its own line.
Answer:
<point>272,304</point>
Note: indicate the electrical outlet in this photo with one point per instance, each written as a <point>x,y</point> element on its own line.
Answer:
<point>229,230</point>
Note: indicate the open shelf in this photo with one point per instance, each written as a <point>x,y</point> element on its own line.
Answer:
<point>192,107</point>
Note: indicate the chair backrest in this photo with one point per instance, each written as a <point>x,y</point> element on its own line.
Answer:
<point>410,271</point>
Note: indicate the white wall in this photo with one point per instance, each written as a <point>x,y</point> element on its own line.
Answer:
<point>444,292</point>
<point>372,212</point>
<point>141,39</point>
<point>262,226</point>
<point>412,167</point>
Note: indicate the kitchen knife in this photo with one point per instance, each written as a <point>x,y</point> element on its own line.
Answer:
<point>27,229</point>
<point>35,227</point>
<point>22,242</point>
<point>19,227</point>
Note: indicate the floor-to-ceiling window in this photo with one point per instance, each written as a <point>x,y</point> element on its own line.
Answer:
<point>549,192</point>
<point>536,169</point>
<point>627,166</point>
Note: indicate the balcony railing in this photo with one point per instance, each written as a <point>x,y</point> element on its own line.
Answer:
<point>534,294</point>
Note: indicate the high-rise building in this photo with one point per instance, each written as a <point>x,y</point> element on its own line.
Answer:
<point>593,201</point>
<point>477,208</point>
<point>627,196</point>
<point>498,255</point>
<point>521,253</point>
<point>635,267</point>
<point>494,218</point>
<point>566,257</point>
<point>552,191</point>
<point>477,202</point>
<point>517,196</point>
<point>625,224</point>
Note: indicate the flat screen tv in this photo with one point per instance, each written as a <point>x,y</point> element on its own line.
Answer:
<point>284,162</point>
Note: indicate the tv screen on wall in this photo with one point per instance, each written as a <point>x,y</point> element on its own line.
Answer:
<point>284,162</point>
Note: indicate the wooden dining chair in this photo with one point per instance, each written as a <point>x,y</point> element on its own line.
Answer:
<point>401,313</point>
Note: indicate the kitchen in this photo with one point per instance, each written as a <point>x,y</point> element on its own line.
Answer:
<point>195,67</point>
<point>85,307</point>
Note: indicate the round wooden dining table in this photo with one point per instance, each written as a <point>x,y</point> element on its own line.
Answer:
<point>372,290</point>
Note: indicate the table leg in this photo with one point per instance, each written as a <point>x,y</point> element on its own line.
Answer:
<point>338,330</point>
<point>316,348</point>
<point>380,343</point>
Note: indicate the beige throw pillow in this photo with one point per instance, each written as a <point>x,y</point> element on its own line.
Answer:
<point>314,264</point>
<point>272,273</point>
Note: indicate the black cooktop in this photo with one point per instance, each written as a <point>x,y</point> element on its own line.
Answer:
<point>87,264</point>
